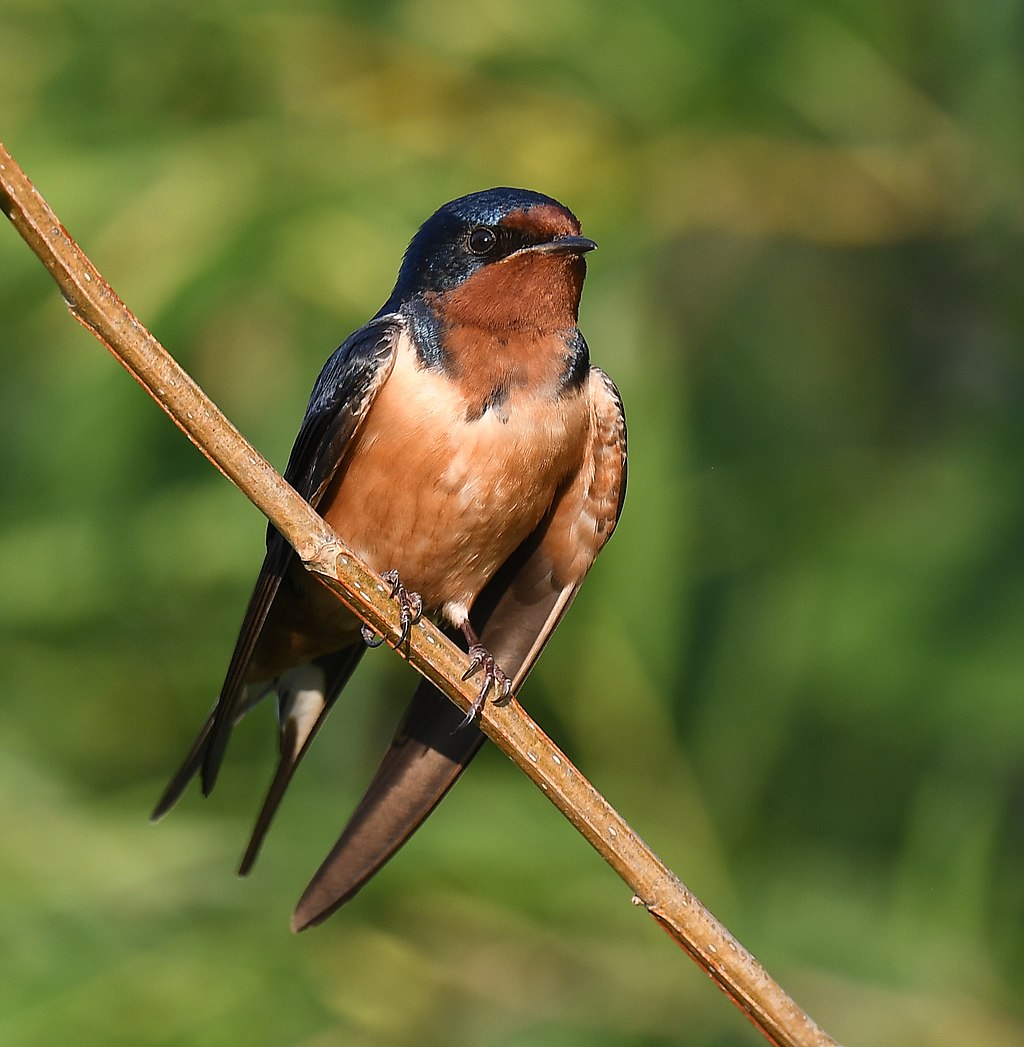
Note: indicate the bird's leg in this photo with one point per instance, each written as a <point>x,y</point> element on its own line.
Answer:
<point>410,606</point>
<point>494,675</point>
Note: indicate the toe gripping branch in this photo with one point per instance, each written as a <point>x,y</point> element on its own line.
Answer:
<point>410,612</point>
<point>494,676</point>
<point>410,607</point>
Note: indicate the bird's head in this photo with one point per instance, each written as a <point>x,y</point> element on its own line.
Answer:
<point>498,258</point>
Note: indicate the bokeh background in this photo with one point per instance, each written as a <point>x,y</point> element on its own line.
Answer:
<point>798,667</point>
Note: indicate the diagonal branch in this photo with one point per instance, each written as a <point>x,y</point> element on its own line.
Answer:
<point>95,305</point>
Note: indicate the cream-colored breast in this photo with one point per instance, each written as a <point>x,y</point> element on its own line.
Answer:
<point>445,499</point>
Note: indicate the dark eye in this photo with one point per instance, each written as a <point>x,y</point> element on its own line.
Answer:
<point>482,240</point>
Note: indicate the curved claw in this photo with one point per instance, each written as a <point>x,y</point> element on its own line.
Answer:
<point>494,676</point>
<point>410,604</point>
<point>410,612</point>
<point>370,638</point>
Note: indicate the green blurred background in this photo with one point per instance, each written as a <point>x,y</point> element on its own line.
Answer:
<point>797,670</point>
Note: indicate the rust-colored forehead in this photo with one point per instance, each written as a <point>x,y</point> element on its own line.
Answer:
<point>548,220</point>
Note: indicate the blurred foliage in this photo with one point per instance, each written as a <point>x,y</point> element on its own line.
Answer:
<point>798,667</point>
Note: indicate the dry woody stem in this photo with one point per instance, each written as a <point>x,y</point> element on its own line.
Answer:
<point>95,305</point>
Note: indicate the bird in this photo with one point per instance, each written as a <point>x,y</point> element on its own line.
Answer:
<point>463,445</point>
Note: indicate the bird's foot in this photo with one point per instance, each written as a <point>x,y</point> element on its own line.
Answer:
<point>410,611</point>
<point>494,677</point>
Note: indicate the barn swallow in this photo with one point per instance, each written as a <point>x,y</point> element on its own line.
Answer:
<point>461,444</point>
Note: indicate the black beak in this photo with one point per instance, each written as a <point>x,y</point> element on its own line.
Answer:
<point>565,245</point>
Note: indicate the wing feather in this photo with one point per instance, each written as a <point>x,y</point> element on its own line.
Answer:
<point>341,397</point>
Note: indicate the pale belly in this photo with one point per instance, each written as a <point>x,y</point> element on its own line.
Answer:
<point>444,500</point>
